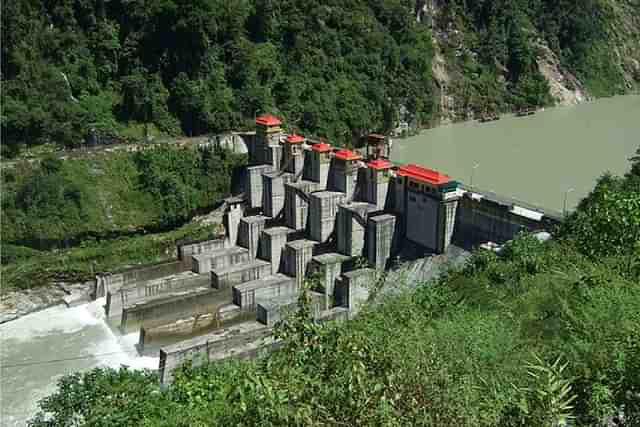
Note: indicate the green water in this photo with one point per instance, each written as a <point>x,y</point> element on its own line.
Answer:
<point>535,158</point>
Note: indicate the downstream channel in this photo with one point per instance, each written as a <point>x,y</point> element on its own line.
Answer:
<point>538,159</point>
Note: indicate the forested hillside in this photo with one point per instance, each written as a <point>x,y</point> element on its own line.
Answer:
<point>334,68</point>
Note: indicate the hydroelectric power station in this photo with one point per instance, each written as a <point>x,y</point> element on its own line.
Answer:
<point>307,208</point>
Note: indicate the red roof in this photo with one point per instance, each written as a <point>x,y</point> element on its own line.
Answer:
<point>380,164</point>
<point>295,139</point>
<point>345,154</point>
<point>321,147</point>
<point>268,120</point>
<point>423,174</point>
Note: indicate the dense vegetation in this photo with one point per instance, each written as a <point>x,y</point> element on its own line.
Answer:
<point>334,68</point>
<point>57,203</point>
<point>109,210</point>
<point>542,333</point>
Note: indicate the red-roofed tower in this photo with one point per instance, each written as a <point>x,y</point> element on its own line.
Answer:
<point>344,171</point>
<point>267,149</point>
<point>428,201</point>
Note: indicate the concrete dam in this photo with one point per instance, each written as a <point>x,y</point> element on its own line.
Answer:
<point>308,209</point>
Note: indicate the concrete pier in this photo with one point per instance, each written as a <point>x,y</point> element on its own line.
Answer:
<point>247,295</point>
<point>297,257</point>
<point>236,274</point>
<point>297,203</point>
<point>235,212</point>
<point>323,207</point>
<point>272,244</point>
<point>327,268</point>
<point>375,183</point>
<point>273,192</point>
<point>317,165</point>
<point>204,262</point>
<point>344,172</point>
<point>352,222</point>
<point>353,289</point>
<point>271,311</point>
<point>249,233</point>
<point>253,185</point>
<point>381,240</point>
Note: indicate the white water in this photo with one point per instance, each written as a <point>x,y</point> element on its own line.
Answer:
<point>35,352</point>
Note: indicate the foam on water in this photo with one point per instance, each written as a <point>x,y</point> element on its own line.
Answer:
<point>38,349</point>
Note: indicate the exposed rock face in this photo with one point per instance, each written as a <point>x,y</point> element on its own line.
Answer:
<point>19,303</point>
<point>563,86</point>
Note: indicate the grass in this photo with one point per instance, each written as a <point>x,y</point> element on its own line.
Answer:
<point>25,268</point>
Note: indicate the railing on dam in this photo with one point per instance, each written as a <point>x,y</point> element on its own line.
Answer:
<point>553,215</point>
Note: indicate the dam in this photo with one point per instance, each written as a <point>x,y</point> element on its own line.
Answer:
<point>308,209</point>
<point>69,334</point>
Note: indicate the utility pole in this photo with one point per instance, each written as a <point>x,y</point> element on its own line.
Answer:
<point>472,173</point>
<point>564,203</point>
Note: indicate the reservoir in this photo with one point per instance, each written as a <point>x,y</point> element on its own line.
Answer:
<point>538,159</point>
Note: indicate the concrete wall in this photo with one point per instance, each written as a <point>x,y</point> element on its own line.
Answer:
<point>381,240</point>
<point>187,250</point>
<point>271,311</point>
<point>205,262</point>
<point>343,177</point>
<point>483,220</point>
<point>247,295</point>
<point>272,243</point>
<point>253,185</point>
<point>351,225</point>
<point>296,206</point>
<point>112,282</point>
<point>422,220</point>
<point>374,186</point>
<point>173,306</point>
<point>323,207</point>
<point>243,340</point>
<point>249,233</point>
<point>327,268</point>
<point>353,288</point>
<point>273,192</point>
<point>146,290</point>
<point>217,345</point>
<point>297,256</point>
<point>236,274</point>
<point>232,217</point>
<point>317,166</point>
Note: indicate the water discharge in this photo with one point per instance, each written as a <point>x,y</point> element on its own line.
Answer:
<point>40,348</point>
<point>538,158</point>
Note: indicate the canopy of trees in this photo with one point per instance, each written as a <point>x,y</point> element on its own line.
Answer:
<point>335,67</point>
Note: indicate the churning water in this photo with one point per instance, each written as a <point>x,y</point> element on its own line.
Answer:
<point>38,349</point>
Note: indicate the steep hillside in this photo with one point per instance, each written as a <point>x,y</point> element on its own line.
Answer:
<point>493,56</point>
<point>336,68</point>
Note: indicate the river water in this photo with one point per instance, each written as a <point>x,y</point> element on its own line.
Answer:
<point>534,158</point>
<point>38,349</point>
<point>537,159</point>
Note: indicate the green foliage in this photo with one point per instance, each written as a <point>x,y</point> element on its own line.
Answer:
<point>608,220</point>
<point>24,268</point>
<point>63,203</point>
<point>209,66</point>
